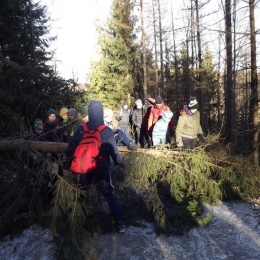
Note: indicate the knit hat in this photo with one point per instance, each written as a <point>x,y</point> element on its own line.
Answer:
<point>193,103</point>
<point>138,102</point>
<point>158,100</point>
<point>50,112</point>
<point>63,111</point>
<point>37,122</point>
<point>73,112</point>
<point>108,115</point>
<point>83,111</point>
<point>167,116</point>
<point>147,96</point>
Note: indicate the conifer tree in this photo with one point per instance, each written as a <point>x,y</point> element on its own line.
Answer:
<point>112,79</point>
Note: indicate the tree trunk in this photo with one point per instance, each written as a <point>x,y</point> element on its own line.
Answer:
<point>155,51</point>
<point>200,90</point>
<point>144,48</point>
<point>161,51</point>
<point>229,80</point>
<point>254,96</point>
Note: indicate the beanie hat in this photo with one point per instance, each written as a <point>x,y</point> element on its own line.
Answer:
<point>73,112</point>
<point>37,122</point>
<point>138,102</point>
<point>50,112</point>
<point>83,111</point>
<point>108,115</point>
<point>193,103</point>
<point>167,116</point>
<point>63,111</point>
<point>158,100</point>
<point>96,112</point>
<point>147,96</point>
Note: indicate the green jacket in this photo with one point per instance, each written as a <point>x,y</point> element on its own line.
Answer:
<point>188,126</point>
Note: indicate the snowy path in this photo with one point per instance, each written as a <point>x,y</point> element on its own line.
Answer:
<point>233,234</point>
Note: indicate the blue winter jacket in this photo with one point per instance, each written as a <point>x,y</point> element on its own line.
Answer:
<point>108,144</point>
<point>160,128</point>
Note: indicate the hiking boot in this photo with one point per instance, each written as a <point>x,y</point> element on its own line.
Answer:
<point>131,146</point>
<point>121,229</point>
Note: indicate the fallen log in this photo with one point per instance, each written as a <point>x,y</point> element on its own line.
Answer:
<point>11,145</point>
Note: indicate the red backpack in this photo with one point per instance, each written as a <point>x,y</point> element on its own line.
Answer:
<point>87,155</point>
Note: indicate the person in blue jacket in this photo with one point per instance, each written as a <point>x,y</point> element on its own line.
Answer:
<point>160,128</point>
<point>108,148</point>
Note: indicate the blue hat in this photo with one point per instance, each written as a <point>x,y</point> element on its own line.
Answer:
<point>51,111</point>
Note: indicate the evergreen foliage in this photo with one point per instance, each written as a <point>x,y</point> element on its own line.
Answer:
<point>168,187</point>
<point>29,84</point>
<point>111,76</point>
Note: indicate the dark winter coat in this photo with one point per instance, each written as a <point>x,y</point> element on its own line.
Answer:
<point>53,131</point>
<point>108,144</point>
<point>137,117</point>
<point>123,116</point>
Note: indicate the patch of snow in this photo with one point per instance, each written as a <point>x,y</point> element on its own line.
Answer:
<point>232,234</point>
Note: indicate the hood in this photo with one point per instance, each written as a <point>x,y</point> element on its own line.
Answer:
<point>167,116</point>
<point>95,113</point>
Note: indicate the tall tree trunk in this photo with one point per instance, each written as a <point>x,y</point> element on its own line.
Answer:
<point>144,48</point>
<point>161,50</point>
<point>155,50</point>
<point>200,90</point>
<point>254,96</point>
<point>32,34</point>
<point>176,69</point>
<point>229,82</point>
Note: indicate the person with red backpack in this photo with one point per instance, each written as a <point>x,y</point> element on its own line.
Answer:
<point>88,135</point>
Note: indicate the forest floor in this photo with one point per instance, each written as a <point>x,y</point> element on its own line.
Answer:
<point>232,234</point>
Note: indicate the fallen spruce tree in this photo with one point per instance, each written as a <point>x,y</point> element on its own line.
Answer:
<point>165,186</point>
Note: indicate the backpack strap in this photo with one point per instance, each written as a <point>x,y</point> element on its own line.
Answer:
<point>101,127</point>
<point>85,127</point>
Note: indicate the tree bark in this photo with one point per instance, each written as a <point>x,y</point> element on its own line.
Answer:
<point>155,51</point>
<point>144,48</point>
<point>254,81</point>
<point>229,80</point>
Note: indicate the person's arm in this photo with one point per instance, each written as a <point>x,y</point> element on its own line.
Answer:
<point>178,132</point>
<point>150,119</point>
<point>156,134</point>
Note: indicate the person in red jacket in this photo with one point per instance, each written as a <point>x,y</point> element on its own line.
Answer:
<point>156,113</point>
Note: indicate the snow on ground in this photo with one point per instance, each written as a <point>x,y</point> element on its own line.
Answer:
<point>233,234</point>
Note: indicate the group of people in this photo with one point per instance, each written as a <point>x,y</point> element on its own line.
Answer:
<point>150,120</point>
<point>153,125</point>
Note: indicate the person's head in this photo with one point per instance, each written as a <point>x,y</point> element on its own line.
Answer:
<point>64,114</point>
<point>95,111</point>
<point>72,114</point>
<point>84,113</point>
<point>51,115</point>
<point>138,103</point>
<point>147,96</point>
<point>125,105</point>
<point>108,115</point>
<point>167,116</point>
<point>193,105</point>
<point>38,126</point>
<point>158,102</point>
